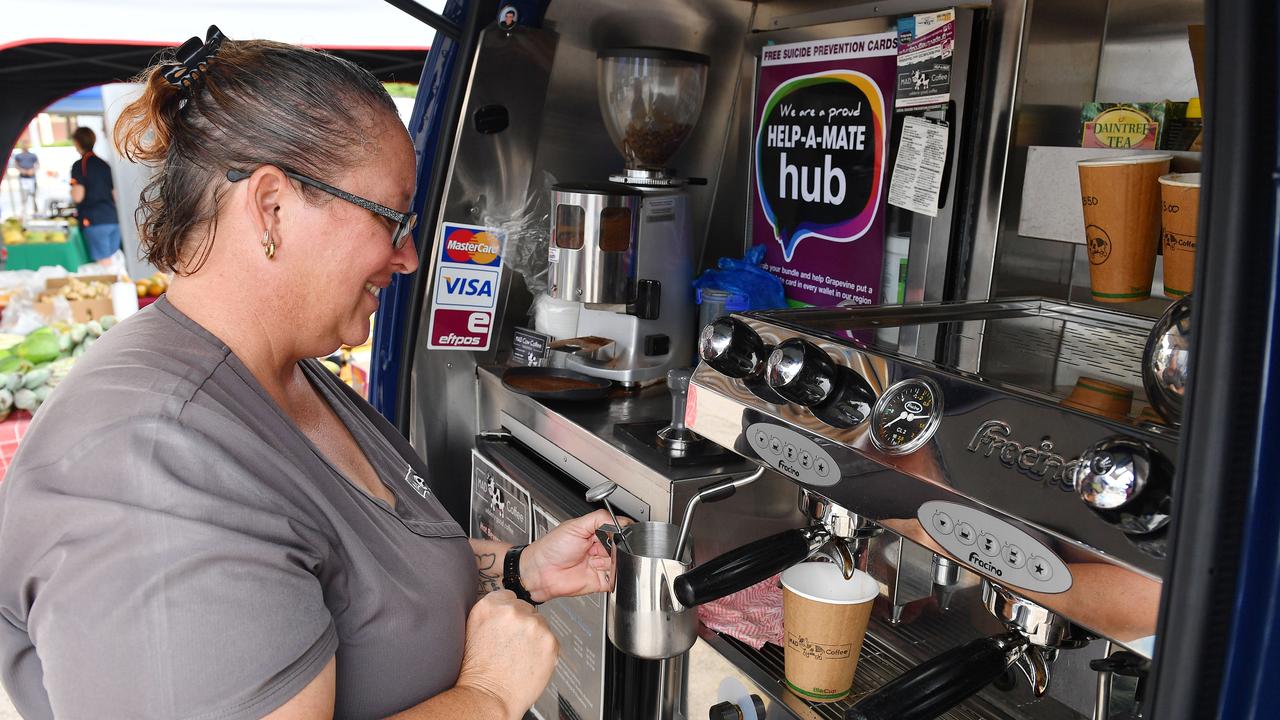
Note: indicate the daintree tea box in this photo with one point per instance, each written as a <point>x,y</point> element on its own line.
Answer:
<point>1123,126</point>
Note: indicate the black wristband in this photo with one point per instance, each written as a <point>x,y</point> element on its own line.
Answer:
<point>511,575</point>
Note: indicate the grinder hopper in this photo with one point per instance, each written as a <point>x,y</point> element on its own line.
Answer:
<point>650,99</point>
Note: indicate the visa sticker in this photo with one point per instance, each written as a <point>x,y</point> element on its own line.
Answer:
<point>465,286</point>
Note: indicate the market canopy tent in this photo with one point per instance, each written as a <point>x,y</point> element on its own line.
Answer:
<point>52,48</point>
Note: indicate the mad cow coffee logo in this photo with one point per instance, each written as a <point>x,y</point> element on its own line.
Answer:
<point>816,650</point>
<point>1099,244</point>
<point>820,157</point>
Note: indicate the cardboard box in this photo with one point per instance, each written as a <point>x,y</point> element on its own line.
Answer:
<point>81,310</point>
<point>1126,126</point>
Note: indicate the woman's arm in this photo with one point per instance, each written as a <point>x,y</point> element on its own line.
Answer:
<point>489,557</point>
<point>566,562</point>
<point>506,663</point>
<point>316,702</point>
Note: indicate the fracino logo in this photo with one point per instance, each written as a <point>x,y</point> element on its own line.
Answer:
<point>993,438</point>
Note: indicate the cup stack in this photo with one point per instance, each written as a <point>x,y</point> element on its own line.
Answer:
<point>1179,214</point>
<point>1121,201</point>
<point>1099,396</point>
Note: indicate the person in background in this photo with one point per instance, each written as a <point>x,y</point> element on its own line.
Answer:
<point>94,194</point>
<point>28,165</point>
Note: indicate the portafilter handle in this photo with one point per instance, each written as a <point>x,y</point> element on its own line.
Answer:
<point>937,685</point>
<point>743,567</point>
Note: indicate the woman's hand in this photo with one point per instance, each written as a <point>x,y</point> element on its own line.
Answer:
<point>509,654</point>
<point>568,561</point>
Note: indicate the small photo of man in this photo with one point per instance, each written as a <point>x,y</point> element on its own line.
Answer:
<point>507,17</point>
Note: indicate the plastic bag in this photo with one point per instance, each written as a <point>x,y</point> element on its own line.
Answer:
<point>526,234</point>
<point>750,286</point>
<point>20,315</point>
<point>557,318</point>
<point>113,264</point>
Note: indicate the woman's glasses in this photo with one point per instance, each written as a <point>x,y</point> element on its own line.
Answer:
<point>404,222</point>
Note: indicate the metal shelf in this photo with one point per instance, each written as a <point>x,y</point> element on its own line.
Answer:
<point>1051,189</point>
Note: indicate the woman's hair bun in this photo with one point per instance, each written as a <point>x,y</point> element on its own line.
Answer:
<point>146,126</point>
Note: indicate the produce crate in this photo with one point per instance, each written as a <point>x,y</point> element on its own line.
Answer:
<point>81,310</point>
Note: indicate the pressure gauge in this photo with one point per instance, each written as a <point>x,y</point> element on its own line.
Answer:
<point>906,416</point>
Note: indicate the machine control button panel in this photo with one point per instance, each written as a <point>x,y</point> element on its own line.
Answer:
<point>994,548</point>
<point>792,454</point>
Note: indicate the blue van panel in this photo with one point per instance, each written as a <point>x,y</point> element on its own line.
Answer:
<point>424,128</point>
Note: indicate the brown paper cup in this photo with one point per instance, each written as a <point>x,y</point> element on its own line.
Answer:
<point>824,619</point>
<point>1179,213</point>
<point>1099,396</point>
<point>1121,199</point>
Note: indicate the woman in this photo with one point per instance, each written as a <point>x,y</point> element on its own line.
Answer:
<point>203,522</point>
<point>94,193</point>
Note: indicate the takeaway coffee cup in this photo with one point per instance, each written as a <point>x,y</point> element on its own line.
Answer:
<point>1179,213</point>
<point>824,619</point>
<point>1121,200</point>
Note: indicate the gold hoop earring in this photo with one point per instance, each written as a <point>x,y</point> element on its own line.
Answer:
<point>268,244</point>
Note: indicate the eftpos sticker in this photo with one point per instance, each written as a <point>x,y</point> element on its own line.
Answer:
<point>460,329</point>
<point>468,275</point>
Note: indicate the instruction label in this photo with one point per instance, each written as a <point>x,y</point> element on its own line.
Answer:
<point>917,172</point>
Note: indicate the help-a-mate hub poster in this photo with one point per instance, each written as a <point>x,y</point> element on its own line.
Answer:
<point>822,120</point>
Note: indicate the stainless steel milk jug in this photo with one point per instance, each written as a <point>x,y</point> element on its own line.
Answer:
<point>644,617</point>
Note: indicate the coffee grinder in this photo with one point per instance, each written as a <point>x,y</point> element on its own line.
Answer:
<point>623,249</point>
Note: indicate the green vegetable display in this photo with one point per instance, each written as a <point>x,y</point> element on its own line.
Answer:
<point>34,367</point>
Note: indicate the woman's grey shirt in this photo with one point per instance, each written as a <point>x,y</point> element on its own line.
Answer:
<point>172,546</point>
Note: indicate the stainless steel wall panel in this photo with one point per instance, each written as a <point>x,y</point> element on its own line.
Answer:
<point>1057,72</point>
<point>1145,56</point>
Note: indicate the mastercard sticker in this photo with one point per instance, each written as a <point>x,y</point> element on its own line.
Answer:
<point>471,245</point>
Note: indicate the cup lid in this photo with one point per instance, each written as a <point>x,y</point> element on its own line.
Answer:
<point>1181,179</point>
<point>823,582</point>
<point>1126,160</point>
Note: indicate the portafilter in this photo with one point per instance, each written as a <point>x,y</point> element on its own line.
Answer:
<point>1031,644</point>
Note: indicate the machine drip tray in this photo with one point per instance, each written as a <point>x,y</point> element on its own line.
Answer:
<point>881,661</point>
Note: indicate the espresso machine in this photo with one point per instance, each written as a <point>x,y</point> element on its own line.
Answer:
<point>623,248</point>
<point>982,473</point>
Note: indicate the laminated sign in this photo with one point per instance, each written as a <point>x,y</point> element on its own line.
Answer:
<point>822,118</point>
<point>465,295</point>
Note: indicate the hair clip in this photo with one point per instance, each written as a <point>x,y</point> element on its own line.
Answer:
<point>191,61</point>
